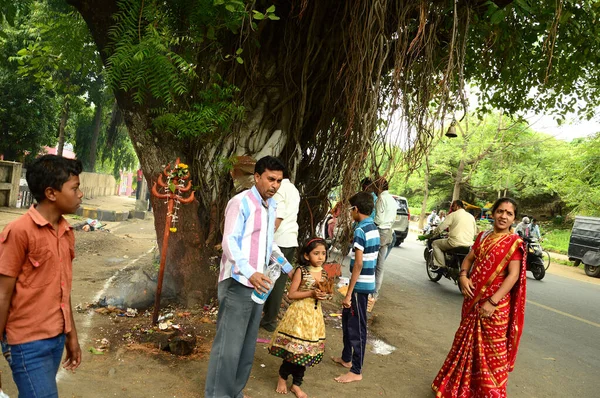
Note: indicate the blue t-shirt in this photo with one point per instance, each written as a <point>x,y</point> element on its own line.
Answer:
<point>374,205</point>
<point>366,239</point>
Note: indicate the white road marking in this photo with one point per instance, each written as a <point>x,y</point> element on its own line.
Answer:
<point>564,313</point>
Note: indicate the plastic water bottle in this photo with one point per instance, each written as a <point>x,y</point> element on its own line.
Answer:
<point>272,272</point>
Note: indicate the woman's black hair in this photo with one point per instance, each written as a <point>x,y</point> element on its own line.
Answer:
<point>308,247</point>
<point>498,202</point>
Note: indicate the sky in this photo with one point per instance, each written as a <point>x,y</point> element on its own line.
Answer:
<point>572,128</point>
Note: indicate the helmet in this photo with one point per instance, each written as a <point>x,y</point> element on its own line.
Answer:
<point>525,220</point>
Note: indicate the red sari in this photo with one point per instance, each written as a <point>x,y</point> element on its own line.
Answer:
<point>484,349</point>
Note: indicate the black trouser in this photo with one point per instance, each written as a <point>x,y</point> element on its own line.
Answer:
<point>273,303</point>
<point>297,372</point>
<point>354,328</point>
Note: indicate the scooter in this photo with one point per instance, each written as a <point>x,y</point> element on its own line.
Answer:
<point>453,257</point>
<point>535,258</point>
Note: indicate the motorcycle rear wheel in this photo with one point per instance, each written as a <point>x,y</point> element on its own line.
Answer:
<point>433,271</point>
<point>538,271</point>
<point>546,259</point>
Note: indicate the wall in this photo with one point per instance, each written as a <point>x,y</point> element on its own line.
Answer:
<point>10,174</point>
<point>94,185</point>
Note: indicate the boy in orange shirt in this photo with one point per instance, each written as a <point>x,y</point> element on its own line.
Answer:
<point>36,253</point>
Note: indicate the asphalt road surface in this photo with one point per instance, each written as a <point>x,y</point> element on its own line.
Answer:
<point>559,354</point>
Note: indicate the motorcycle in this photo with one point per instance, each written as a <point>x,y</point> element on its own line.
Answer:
<point>535,258</point>
<point>453,258</point>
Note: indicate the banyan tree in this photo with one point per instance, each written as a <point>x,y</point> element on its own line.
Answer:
<point>331,87</point>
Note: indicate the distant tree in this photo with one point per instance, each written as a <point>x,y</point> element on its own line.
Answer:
<point>27,109</point>
<point>27,116</point>
<point>578,178</point>
<point>60,54</point>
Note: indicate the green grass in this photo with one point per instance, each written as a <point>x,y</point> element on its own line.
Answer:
<point>557,240</point>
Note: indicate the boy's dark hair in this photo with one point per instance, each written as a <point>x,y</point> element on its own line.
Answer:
<point>308,247</point>
<point>366,183</point>
<point>364,203</point>
<point>270,163</point>
<point>498,202</point>
<point>50,171</point>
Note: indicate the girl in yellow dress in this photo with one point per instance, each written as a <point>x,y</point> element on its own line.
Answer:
<point>300,336</point>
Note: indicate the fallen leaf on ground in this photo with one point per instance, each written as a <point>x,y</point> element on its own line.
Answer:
<point>96,351</point>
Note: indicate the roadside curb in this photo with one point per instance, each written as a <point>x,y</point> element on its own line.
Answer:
<point>110,215</point>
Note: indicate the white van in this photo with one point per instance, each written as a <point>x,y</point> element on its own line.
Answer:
<point>402,219</point>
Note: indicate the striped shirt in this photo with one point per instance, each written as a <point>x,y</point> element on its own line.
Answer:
<point>248,237</point>
<point>366,239</point>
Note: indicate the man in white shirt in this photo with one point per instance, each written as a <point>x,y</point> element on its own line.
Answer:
<point>385,215</point>
<point>286,238</point>
<point>462,229</point>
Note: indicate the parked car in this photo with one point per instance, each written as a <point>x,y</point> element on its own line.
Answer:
<point>402,219</point>
<point>584,244</point>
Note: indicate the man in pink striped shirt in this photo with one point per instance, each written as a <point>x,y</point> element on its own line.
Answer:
<point>247,247</point>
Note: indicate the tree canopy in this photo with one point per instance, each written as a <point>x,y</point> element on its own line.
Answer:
<point>547,176</point>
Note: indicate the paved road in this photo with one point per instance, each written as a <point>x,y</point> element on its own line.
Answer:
<point>560,349</point>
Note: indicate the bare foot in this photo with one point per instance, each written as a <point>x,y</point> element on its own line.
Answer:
<point>281,386</point>
<point>298,392</point>
<point>340,361</point>
<point>348,378</point>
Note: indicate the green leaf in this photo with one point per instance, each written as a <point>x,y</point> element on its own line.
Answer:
<point>230,7</point>
<point>239,60</point>
<point>239,51</point>
<point>95,351</point>
<point>219,2</point>
<point>172,187</point>
<point>497,17</point>
<point>22,52</point>
<point>274,17</point>
<point>210,33</point>
<point>258,15</point>
<point>271,9</point>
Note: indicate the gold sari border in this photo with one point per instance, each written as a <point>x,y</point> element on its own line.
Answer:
<point>499,269</point>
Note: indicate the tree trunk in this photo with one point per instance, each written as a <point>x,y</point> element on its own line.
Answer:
<point>64,117</point>
<point>299,131</point>
<point>191,262</point>
<point>458,180</point>
<point>422,217</point>
<point>95,135</point>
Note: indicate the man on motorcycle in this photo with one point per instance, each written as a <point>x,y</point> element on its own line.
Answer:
<point>462,229</point>
<point>524,228</point>
<point>432,221</point>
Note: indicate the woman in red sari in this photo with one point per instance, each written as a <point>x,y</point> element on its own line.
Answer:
<point>492,280</point>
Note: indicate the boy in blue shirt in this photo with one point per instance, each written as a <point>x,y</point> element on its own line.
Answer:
<point>363,260</point>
